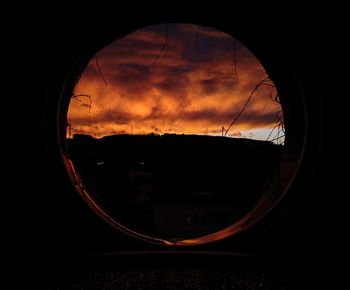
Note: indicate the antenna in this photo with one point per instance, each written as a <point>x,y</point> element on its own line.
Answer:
<point>69,130</point>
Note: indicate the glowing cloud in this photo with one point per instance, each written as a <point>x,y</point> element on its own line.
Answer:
<point>177,78</point>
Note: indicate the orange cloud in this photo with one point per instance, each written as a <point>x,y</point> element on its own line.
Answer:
<point>191,88</point>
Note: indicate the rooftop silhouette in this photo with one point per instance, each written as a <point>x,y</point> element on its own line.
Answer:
<point>171,184</point>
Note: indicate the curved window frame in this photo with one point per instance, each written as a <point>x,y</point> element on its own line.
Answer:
<point>296,137</point>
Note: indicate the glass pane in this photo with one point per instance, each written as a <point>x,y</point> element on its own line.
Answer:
<point>176,131</point>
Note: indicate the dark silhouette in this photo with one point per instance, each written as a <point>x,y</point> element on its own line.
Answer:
<point>174,185</point>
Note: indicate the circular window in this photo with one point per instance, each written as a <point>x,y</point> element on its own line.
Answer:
<point>177,134</point>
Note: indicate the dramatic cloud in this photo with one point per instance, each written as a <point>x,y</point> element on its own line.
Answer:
<point>177,78</point>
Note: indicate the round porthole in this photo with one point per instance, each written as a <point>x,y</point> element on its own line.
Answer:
<point>178,134</point>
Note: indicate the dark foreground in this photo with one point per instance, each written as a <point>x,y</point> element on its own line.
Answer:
<point>174,184</point>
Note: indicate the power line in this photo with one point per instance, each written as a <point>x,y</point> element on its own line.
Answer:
<point>100,71</point>
<point>234,55</point>
<point>164,44</point>
<point>246,103</point>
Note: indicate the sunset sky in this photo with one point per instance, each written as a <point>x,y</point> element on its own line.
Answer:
<point>175,78</point>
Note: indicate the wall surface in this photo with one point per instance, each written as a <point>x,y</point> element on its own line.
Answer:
<point>45,219</point>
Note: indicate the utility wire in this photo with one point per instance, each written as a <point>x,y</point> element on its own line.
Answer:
<point>164,44</point>
<point>100,71</point>
<point>246,104</point>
